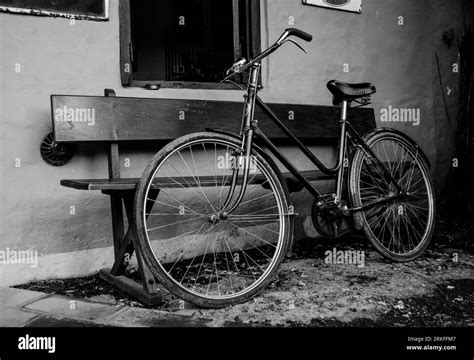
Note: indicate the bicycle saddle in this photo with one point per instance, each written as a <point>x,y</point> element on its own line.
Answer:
<point>345,91</point>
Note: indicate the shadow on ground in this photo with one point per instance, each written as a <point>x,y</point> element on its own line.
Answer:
<point>434,290</point>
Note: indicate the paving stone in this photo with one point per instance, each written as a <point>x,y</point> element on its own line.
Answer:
<point>18,297</point>
<point>137,317</point>
<point>13,317</point>
<point>73,308</point>
<point>45,321</point>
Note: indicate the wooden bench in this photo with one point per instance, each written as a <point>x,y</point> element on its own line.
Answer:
<point>116,120</point>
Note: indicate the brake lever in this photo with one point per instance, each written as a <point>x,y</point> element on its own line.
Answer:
<point>294,42</point>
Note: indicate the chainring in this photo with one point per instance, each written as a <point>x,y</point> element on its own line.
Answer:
<point>326,222</point>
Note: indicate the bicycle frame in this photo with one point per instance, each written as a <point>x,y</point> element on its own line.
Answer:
<point>249,130</point>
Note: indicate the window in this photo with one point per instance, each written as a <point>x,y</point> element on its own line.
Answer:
<point>84,9</point>
<point>185,43</point>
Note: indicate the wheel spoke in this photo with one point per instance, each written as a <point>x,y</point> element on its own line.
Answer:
<point>202,250</point>
<point>403,225</point>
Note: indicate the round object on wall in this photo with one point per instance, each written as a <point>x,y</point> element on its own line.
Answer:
<point>54,153</point>
<point>337,2</point>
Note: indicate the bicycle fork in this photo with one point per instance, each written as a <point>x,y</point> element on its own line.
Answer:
<point>247,133</point>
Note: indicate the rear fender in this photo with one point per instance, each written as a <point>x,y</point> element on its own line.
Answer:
<point>367,136</point>
<point>358,224</point>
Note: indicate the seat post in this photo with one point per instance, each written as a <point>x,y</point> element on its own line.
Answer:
<point>344,111</point>
<point>342,150</point>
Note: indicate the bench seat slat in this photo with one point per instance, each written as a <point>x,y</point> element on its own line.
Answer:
<point>176,182</point>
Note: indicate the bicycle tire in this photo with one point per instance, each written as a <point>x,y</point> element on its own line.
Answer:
<point>140,217</point>
<point>383,217</point>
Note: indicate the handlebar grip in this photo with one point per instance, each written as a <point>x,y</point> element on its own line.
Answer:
<point>300,34</point>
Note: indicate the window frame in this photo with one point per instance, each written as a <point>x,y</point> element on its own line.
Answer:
<point>253,42</point>
<point>36,9</point>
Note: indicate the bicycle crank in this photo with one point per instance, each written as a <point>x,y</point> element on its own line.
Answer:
<point>327,215</point>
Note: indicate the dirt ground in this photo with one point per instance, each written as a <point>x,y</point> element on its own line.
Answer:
<point>434,290</point>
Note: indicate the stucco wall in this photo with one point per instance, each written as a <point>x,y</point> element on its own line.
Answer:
<point>57,57</point>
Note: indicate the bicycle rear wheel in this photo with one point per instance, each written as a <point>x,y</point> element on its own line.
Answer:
<point>191,247</point>
<point>400,229</point>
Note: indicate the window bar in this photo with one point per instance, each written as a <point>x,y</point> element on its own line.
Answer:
<point>237,47</point>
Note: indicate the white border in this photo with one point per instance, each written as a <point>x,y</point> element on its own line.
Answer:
<point>29,11</point>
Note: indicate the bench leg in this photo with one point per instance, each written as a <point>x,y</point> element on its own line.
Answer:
<point>124,255</point>
<point>117,223</point>
<point>149,283</point>
<point>127,246</point>
<point>148,293</point>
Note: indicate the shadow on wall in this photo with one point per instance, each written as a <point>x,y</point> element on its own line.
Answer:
<point>458,191</point>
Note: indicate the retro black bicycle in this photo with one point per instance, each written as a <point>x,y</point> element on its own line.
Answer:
<point>213,212</point>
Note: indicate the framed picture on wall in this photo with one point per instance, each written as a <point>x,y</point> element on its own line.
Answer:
<point>346,5</point>
<point>73,9</point>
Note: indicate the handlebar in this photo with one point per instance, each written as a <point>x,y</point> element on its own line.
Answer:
<point>283,38</point>
<point>295,32</point>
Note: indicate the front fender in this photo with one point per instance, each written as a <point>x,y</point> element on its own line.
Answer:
<point>219,131</point>
<point>236,136</point>
<point>284,182</point>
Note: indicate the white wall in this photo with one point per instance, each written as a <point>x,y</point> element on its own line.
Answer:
<point>59,58</point>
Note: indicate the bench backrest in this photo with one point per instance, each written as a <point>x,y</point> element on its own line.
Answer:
<point>114,119</point>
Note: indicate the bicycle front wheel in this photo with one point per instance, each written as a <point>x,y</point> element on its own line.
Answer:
<point>197,251</point>
<point>400,229</point>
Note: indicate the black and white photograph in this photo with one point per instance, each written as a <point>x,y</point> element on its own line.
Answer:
<point>257,166</point>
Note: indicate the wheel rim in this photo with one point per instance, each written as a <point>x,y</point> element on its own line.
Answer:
<point>199,249</point>
<point>402,226</point>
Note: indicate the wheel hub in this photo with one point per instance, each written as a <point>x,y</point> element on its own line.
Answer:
<point>220,216</point>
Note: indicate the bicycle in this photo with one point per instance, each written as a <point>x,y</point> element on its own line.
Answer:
<point>219,239</point>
